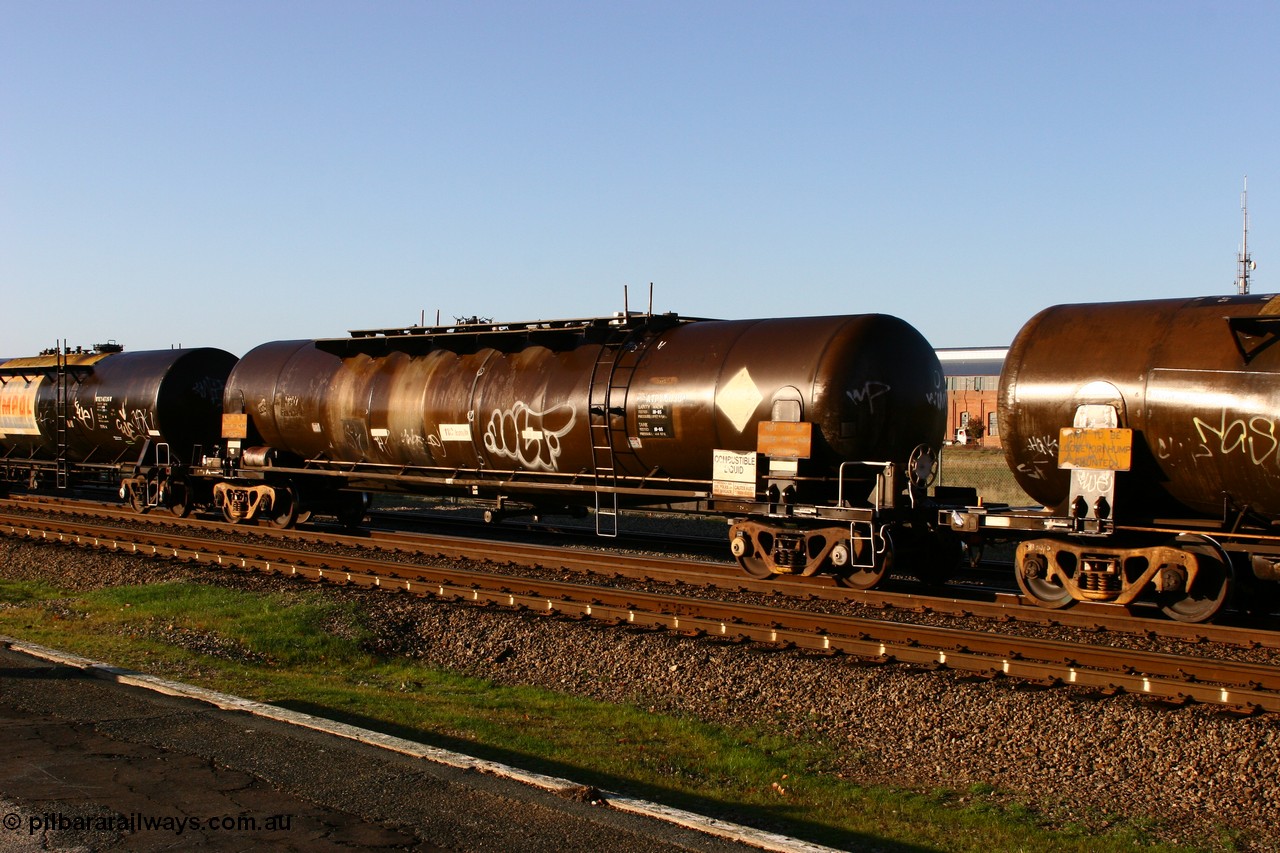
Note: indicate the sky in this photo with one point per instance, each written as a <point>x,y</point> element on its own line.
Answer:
<point>228,173</point>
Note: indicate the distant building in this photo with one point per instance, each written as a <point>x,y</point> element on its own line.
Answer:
<point>973,378</point>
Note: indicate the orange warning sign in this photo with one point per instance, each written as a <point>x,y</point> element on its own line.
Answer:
<point>1095,449</point>
<point>779,439</point>
<point>235,426</point>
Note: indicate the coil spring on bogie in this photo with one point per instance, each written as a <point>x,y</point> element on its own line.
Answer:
<point>789,552</point>
<point>1099,575</point>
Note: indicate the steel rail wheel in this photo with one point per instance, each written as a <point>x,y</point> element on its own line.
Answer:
<point>1032,572</point>
<point>284,508</point>
<point>867,576</point>
<point>1210,591</point>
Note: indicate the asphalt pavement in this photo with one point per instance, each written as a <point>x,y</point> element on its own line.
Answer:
<point>99,759</point>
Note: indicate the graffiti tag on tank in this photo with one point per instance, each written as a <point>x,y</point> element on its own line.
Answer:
<point>209,389</point>
<point>1231,415</point>
<point>938,396</point>
<point>1226,434</point>
<point>83,415</point>
<point>529,437</point>
<point>133,424</point>
<point>1046,448</point>
<point>355,435</point>
<point>868,393</point>
<point>1255,438</point>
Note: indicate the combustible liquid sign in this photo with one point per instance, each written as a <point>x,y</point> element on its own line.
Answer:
<point>733,474</point>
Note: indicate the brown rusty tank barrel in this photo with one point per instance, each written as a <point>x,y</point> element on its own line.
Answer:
<point>520,396</point>
<point>115,402</point>
<point>1197,380</point>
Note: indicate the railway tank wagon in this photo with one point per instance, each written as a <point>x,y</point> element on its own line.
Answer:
<point>135,420</point>
<point>1149,431</point>
<point>815,434</point>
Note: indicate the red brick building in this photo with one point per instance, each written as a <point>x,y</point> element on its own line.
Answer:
<point>973,378</point>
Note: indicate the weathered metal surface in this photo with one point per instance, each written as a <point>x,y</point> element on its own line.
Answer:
<point>1197,380</point>
<point>114,403</point>
<point>653,399</point>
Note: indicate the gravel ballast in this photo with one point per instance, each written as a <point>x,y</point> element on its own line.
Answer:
<point>1071,755</point>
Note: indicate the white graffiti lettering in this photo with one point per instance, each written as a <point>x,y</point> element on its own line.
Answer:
<point>938,396</point>
<point>1168,447</point>
<point>868,393</point>
<point>1094,481</point>
<point>1043,445</point>
<point>1035,471</point>
<point>84,415</point>
<point>132,425</point>
<point>530,437</point>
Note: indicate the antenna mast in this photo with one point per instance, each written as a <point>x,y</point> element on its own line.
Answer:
<point>1244,263</point>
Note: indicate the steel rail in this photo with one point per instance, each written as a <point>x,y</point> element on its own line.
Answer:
<point>1249,687</point>
<point>995,606</point>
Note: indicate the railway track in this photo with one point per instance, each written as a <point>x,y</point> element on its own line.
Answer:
<point>503,547</point>
<point>378,560</point>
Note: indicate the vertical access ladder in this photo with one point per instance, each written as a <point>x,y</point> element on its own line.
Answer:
<point>61,388</point>
<point>607,402</point>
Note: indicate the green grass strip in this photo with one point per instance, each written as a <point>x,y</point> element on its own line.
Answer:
<point>306,650</point>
